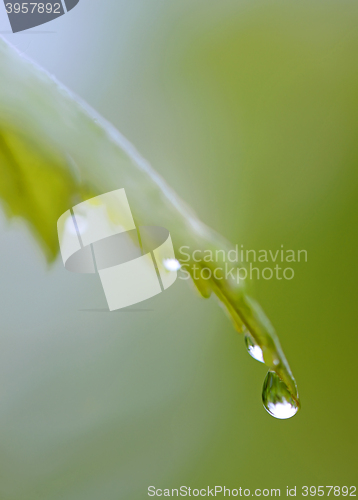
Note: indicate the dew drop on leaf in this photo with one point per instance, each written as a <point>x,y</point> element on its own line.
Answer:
<point>253,348</point>
<point>171,264</point>
<point>276,397</point>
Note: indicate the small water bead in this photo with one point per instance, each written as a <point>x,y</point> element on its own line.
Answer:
<point>253,348</point>
<point>171,264</point>
<point>276,397</point>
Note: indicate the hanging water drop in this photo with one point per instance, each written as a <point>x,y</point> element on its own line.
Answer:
<point>276,397</point>
<point>253,348</point>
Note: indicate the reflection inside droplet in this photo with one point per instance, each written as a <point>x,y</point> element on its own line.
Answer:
<point>276,397</point>
<point>253,349</point>
<point>171,264</point>
<point>282,410</point>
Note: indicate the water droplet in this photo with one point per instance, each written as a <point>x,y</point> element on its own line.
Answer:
<point>171,264</point>
<point>276,397</point>
<point>253,349</point>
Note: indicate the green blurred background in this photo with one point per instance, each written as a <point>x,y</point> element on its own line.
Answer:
<point>249,110</point>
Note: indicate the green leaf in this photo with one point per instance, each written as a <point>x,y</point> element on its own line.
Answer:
<point>55,151</point>
<point>35,186</point>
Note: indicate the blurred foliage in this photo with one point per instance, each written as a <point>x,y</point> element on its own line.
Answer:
<point>35,186</point>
